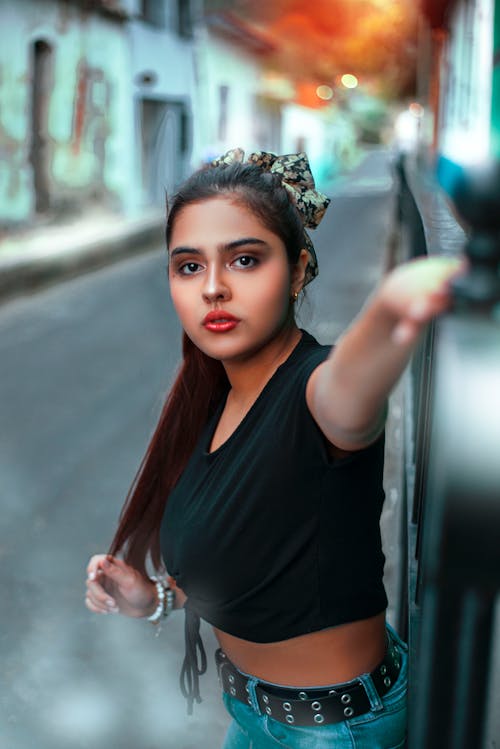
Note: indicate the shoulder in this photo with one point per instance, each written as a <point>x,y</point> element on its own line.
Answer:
<point>308,355</point>
<point>288,384</point>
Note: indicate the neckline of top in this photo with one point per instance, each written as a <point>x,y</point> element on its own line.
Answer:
<point>305,339</point>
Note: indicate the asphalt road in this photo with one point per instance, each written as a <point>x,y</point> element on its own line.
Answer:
<point>83,369</point>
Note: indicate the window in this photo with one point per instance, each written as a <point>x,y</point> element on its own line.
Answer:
<point>184,19</point>
<point>153,11</point>
<point>174,15</point>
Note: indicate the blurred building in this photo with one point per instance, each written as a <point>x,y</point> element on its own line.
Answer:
<point>109,104</point>
<point>164,81</point>
<point>235,106</point>
<point>456,78</point>
<point>244,101</point>
<point>95,104</point>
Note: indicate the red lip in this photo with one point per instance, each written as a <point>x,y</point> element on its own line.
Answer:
<point>217,315</point>
<point>219,321</point>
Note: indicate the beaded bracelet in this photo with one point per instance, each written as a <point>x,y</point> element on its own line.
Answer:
<point>160,593</point>
<point>166,602</point>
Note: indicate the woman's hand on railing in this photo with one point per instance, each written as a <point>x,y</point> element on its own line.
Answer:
<point>416,292</point>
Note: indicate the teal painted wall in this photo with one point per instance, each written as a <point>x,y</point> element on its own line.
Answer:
<point>89,108</point>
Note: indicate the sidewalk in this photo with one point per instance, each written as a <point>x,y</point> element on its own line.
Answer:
<point>42,255</point>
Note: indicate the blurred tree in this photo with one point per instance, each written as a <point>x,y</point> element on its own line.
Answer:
<point>320,40</point>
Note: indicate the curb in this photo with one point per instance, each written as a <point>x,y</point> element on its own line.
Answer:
<point>24,275</point>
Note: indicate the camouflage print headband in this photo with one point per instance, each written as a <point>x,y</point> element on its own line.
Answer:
<point>297,179</point>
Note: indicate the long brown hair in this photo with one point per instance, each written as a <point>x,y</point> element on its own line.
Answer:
<point>201,382</point>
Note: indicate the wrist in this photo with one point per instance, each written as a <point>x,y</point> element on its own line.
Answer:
<point>164,602</point>
<point>151,607</point>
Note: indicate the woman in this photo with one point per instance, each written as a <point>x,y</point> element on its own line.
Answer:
<point>261,490</point>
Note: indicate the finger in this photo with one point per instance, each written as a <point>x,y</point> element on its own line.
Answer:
<point>424,309</point>
<point>100,597</point>
<point>100,606</point>
<point>97,608</point>
<point>94,565</point>
<point>118,571</point>
<point>119,563</point>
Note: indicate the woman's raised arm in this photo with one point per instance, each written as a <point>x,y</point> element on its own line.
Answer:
<point>347,394</point>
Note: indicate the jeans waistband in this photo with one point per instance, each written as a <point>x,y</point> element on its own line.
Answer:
<point>309,706</point>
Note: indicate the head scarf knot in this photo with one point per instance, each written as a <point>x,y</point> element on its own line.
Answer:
<point>296,177</point>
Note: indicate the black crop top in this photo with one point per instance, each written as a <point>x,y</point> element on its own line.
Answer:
<point>269,537</point>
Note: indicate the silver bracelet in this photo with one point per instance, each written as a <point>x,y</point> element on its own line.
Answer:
<point>160,592</point>
<point>166,604</point>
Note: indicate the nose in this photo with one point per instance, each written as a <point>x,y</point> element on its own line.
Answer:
<point>215,287</point>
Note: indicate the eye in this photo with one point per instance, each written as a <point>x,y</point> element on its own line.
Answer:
<point>189,269</point>
<point>245,261</point>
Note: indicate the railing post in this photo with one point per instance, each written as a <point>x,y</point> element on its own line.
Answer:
<point>459,566</point>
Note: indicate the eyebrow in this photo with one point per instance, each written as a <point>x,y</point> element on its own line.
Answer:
<point>222,248</point>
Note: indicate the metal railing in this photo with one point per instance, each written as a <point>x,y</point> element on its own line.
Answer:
<point>453,493</point>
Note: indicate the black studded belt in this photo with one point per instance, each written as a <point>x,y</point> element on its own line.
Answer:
<point>309,707</point>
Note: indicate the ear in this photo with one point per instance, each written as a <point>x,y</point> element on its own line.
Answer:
<point>299,272</point>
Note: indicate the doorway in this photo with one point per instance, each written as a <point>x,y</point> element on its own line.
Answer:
<point>164,148</point>
<point>41,87</point>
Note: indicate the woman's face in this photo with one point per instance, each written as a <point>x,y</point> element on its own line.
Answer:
<point>230,279</point>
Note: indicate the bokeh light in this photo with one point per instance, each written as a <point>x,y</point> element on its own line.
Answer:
<point>349,80</point>
<point>324,92</point>
<point>416,110</point>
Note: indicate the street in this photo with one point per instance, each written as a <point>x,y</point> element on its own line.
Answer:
<point>84,367</point>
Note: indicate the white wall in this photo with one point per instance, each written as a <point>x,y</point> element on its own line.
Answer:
<point>222,63</point>
<point>219,63</point>
<point>318,132</point>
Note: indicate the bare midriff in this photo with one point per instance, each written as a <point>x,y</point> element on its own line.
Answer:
<point>330,656</point>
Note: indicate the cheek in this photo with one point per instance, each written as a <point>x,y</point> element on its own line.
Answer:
<point>272,293</point>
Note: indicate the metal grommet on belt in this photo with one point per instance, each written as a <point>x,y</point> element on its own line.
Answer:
<point>348,712</point>
<point>316,706</point>
<point>290,719</point>
<point>302,695</point>
<point>346,698</point>
<point>318,718</point>
<point>287,706</point>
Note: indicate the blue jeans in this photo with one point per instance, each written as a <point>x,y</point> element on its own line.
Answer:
<point>383,727</point>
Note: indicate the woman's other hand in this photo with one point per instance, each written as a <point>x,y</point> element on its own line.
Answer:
<point>114,587</point>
